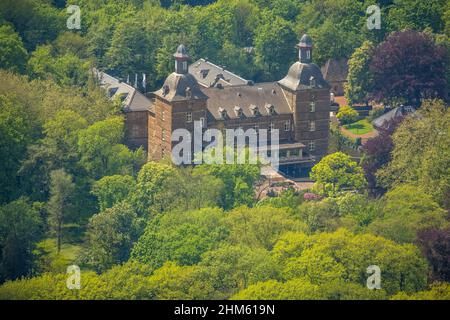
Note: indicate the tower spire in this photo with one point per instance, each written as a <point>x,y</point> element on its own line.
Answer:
<point>305,49</point>
<point>181,60</point>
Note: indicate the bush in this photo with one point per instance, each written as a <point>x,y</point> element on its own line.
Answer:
<point>347,115</point>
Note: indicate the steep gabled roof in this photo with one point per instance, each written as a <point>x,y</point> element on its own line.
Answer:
<point>396,113</point>
<point>335,70</point>
<point>208,75</point>
<point>261,96</point>
<point>133,100</point>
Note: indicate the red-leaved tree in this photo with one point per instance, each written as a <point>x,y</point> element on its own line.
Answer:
<point>408,67</point>
<point>377,153</point>
<point>435,245</point>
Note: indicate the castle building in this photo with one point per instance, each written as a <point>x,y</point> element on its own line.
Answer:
<point>298,106</point>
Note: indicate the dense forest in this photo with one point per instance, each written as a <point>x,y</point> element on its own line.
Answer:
<point>71,192</point>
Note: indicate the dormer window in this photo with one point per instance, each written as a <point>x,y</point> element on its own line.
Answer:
<point>222,113</point>
<point>165,90</point>
<point>308,54</point>
<point>204,73</point>
<point>312,82</point>
<point>270,109</point>
<point>255,110</point>
<point>238,111</point>
<point>188,93</point>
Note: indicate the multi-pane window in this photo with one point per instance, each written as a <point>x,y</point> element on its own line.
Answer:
<point>312,107</point>
<point>135,131</point>
<point>271,126</point>
<point>312,145</point>
<point>188,116</point>
<point>312,126</point>
<point>287,125</point>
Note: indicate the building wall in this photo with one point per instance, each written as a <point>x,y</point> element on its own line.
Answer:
<point>263,122</point>
<point>301,101</point>
<point>136,133</point>
<point>160,130</point>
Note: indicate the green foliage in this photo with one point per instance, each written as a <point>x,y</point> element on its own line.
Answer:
<point>12,53</point>
<point>102,153</point>
<point>188,189</point>
<point>260,226</point>
<point>67,69</point>
<point>110,190</point>
<point>16,132</point>
<point>421,152</point>
<point>59,205</point>
<point>416,14</point>
<point>287,199</point>
<point>319,216</point>
<point>238,180</point>
<point>20,229</point>
<point>274,45</point>
<point>181,237</point>
<point>337,172</point>
<point>150,181</point>
<point>232,268</point>
<point>297,289</point>
<point>347,115</point>
<point>110,236</point>
<point>437,291</point>
<point>407,210</point>
<point>359,79</point>
<point>326,257</point>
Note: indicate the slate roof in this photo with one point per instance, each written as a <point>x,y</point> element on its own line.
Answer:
<point>335,70</point>
<point>208,74</point>
<point>300,74</point>
<point>177,86</point>
<point>231,99</point>
<point>133,100</point>
<point>401,111</point>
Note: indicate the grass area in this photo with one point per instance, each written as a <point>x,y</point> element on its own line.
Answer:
<point>69,252</point>
<point>360,127</point>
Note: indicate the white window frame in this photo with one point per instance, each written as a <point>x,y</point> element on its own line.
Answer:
<point>312,107</point>
<point>312,146</point>
<point>287,125</point>
<point>271,126</point>
<point>188,117</point>
<point>312,125</point>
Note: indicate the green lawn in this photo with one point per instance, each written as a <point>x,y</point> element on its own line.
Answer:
<point>360,127</point>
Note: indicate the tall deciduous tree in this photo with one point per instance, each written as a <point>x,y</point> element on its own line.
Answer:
<point>20,229</point>
<point>110,236</point>
<point>337,172</point>
<point>377,153</point>
<point>275,46</point>
<point>359,79</point>
<point>421,152</point>
<point>110,190</point>
<point>12,52</point>
<point>407,68</point>
<point>59,204</point>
